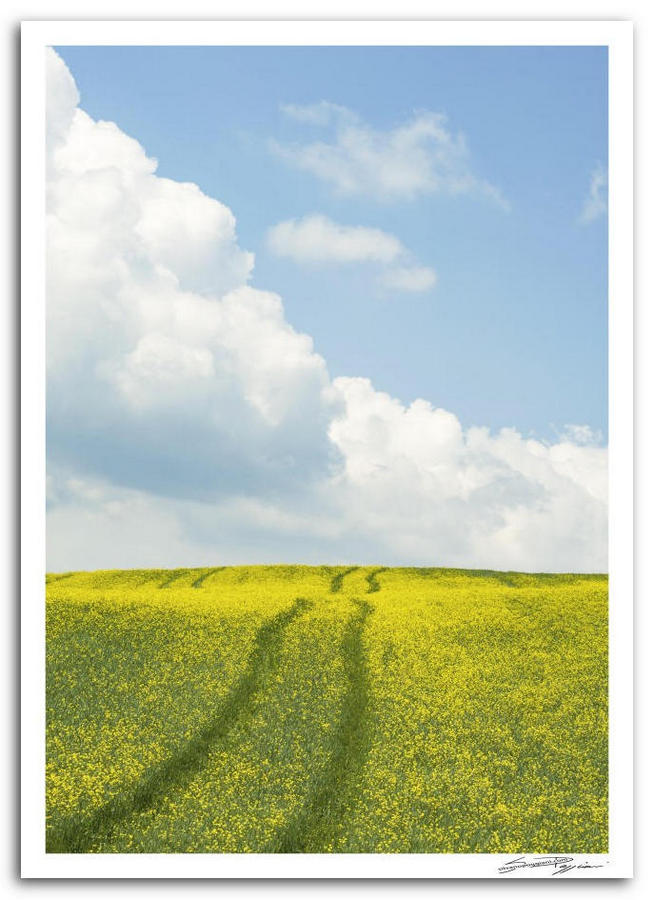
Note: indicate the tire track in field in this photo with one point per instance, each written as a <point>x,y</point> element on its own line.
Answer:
<point>337,581</point>
<point>172,576</point>
<point>147,576</point>
<point>199,581</point>
<point>372,578</point>
<point>317,823</point>
<point>74,836</point>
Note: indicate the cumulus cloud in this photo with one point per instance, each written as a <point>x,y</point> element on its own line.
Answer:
<point>317,240</point>
<point>431,490</point>
<point>189,423</point>
<point>419,156</point>
<point>62,98</point>
<point>165,369</point>
<point>595,204</point>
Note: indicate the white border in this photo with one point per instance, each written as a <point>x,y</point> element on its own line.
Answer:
<point>35,36</point>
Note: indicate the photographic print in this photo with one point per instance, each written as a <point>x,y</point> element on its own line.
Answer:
<point>327,424</point>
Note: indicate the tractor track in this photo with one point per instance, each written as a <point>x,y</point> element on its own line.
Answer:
<point>337,581</point>
<point>198,582</point>
<point>73,836</point>
<point>317,823</point>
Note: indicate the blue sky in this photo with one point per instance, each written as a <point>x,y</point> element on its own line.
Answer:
<point>327,305</point>
<point>515,331</point>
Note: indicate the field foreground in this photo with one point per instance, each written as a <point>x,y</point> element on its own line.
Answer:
<point>321,709</point>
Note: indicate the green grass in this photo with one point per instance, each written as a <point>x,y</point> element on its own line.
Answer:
<point>324,709</point>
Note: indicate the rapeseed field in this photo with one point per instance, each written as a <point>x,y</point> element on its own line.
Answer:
<point>301,709</point>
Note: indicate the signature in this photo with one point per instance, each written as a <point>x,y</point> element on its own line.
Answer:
<point>559,864</point>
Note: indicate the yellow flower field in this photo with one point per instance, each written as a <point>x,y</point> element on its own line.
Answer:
<point>320,709</point>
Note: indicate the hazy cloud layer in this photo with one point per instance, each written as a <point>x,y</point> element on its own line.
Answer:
<point>419,156</point>
<point>189,423</point>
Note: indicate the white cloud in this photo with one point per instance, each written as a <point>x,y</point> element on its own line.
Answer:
<point>158,368</point>
<point>409,278</point>
<point>429,490</point>
<point>317,239</point>
<point>62,98</point>
<point>420,156</point>
<point>165,368</point>
<point>595,204</point>
<point>189,423</point>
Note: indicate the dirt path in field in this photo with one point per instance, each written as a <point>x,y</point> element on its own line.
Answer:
<point>73,836</point>
<point>205,575</point>
<point>315,826</point>
<point>337,582</point>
